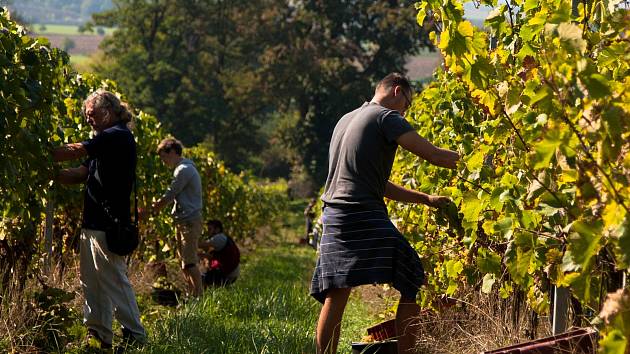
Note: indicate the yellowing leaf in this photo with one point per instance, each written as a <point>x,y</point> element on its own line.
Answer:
<point>454,268</point>
<point>445,40</point>
<point>488,282</point>
<point>486,98</point>
<point>465,28</point>
<point>613,215</point>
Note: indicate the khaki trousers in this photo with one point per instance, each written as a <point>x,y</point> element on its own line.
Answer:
<point>187,236</point>
<point>107,289</point>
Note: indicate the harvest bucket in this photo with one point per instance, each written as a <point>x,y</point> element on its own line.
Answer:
<point>385,347</point>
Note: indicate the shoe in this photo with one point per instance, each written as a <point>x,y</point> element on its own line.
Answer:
<point>128,342</point>
<point>94,341</point>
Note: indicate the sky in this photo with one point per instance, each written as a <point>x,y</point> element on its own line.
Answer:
<point>472,13</point>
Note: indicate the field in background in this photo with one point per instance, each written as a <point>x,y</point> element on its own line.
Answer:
<point>419,67</point>
<point>422,66</point>
<point>79,59</point>
<point>83,45</point>
<point>68,30</point>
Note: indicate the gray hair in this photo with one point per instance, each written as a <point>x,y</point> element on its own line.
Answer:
<point>117,110</point>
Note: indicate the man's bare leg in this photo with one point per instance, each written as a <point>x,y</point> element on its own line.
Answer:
<point>193,278</point>
<point>329,324</point>
<point>407,317</point>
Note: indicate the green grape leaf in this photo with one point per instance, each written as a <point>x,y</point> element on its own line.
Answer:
<point>504,226</point>
<point>506,290</point>
<point>612,54</point>
<point>596,84</point>
<point>583,245</point>
<point>528,32</point>
<point>623,243</point>
<point>489,262</point>
<point>546,149</point>
<point>614,342</point>
<point>454,268</point>
<point>472,206</point>
<point>530,5</point>
<point>476,160</point>
<point>518,260</point>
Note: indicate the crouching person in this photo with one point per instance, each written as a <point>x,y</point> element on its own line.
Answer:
<point>222,260</point>
<point>108,173</point>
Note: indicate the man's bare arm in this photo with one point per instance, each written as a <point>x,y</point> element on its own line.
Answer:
<point>73,175</point>
<point>421,147</point>
<point>160,204</point>
<point>69,152</point>
<point>206,246</point>
<point>401,194</point>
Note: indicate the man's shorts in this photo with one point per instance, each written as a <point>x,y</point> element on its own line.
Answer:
<point>187,237</point>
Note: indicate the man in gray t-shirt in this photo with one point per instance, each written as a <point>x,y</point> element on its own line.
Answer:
<point>359,244</point>
<point>362,151</point>
<point>185,192</point>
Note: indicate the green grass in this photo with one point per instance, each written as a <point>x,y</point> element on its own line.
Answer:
<point>64,29</point>
<point>268,310</point>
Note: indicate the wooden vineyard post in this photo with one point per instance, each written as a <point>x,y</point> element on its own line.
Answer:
<point>560,310</point>
<point>48,232</point>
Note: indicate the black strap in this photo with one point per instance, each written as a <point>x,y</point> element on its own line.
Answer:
<point>107,209</point>
<point>135,199</point>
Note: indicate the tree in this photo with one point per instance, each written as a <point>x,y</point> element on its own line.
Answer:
<point>186,63</point>
<point>224,72</point>
<point>67,44</point>
<point>326,59</point>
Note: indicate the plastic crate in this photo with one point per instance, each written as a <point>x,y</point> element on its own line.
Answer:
<point>577,341</point>
<point>384,330</point>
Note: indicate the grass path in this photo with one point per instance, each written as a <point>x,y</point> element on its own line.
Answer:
<point>268,310</point>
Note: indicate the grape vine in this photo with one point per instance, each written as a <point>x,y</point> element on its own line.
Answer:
<point>539,107</point>
<point>40,108</point>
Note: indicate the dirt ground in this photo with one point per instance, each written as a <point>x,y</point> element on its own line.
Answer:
<point>422,67</point>
<point>84,44</point>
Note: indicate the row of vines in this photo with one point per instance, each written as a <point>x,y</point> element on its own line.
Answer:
<point>40,108</point>
<point>538,105</point>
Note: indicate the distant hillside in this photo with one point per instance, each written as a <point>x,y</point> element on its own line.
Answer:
<point>72,12</point>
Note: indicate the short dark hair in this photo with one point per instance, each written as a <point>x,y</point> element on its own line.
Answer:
<point>170,144</point>
<point>395,79</point>
<point>216,224</point>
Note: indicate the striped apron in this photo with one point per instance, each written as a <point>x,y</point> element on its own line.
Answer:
<point>361,247</point>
